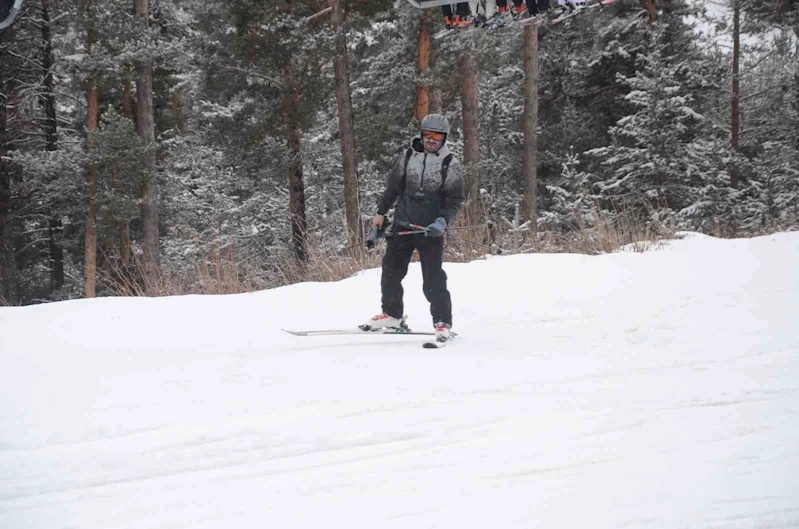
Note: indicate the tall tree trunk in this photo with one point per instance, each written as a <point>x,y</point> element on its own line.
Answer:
<point>346,128</point>
<point>145,126</point>
<point>7,275</point>
<point>736,87</point>
<point>299,223</point>
<point>423,63</point>
<point>530,127</point>
<point>123,228</point>
<point>51,138</point>
<point>471,142</point>
<point>90,237</point>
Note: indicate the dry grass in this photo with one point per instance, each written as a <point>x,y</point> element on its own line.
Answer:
<point>323,266</point>
<point>219,271</point>
<point>626,228</point>
<point>215,272</point>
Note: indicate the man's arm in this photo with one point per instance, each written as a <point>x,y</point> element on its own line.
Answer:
<point>452,192</point>
<point>394,186</point>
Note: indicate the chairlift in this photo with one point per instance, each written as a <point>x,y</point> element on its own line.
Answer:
<point>424,4</point>
<point>476,6</point>
<point>8,12</point>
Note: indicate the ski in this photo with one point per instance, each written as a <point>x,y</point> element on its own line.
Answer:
<point>435,344</point>
<point>449,31</point>
<point>356,331</point>
<point>430,344</point>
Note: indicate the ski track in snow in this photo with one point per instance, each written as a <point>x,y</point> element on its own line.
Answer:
<point>631,390</point>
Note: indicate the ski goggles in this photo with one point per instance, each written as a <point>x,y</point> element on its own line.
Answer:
<point>436,136</point>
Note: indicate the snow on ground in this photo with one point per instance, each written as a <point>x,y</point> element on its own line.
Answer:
<point>632,390</point>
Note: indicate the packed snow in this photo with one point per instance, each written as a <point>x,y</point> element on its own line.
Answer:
<point>629,390</point>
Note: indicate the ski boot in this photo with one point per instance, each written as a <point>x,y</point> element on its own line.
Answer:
<point>442,331</point>
<point>384,321</point>
<point>463,21</point>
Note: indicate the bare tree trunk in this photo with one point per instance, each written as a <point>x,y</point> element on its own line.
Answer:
<point>123,228</point>
<point>652,9</point>
<point>346,127</point>
<point>178,104</point>
<point>6,230</point>
<point>7,276</point>
<point>736,87</point>
<point>145,126</point>
<point>436,103</point>
<point>299,223</point>
<point>51,138</point>
<point>90,237</point>
<point>127,101</point>
<point>471,143</point>
<point>530,127</point>
<point>423,63</point>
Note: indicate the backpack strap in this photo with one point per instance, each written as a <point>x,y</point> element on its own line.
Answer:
<point>445,169</point>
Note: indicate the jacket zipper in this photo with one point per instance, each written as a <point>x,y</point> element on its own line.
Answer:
<point>424,164</point>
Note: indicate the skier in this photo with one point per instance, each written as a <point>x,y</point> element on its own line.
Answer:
<point>427,185</point>
<point>461,18</point>
<point>517,9</point>
<point>569,5</point>
<point>537,7</point>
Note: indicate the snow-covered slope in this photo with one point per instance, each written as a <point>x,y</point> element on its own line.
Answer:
<point>654,390</point>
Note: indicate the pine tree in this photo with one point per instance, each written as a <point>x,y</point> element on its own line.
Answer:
<point>658,153</point>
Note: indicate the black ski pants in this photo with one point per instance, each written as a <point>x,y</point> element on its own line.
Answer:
<point>504,3</point>
<point>536,7</point>
<point>399,250</point>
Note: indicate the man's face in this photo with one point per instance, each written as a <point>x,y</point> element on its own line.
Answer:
<point>432,140</point>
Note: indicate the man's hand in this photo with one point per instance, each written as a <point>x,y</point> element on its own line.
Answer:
<point>378,221</point>
<point>437,228</point>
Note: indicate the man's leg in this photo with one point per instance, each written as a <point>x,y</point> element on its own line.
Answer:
<point>449,18</point>
<point>399,250</point>
<point>431,253</point>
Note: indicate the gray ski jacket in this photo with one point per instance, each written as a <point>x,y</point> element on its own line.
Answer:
<point>421,188</point>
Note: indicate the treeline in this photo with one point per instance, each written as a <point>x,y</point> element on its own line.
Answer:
<point>186,140</point>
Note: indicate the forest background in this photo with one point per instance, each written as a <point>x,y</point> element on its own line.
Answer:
<point>187,146</point>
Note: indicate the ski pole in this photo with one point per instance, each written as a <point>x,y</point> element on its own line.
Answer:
<point>481,226</point>
<point>451,228</point>
<point>372,239</point>
<point>411,232</point>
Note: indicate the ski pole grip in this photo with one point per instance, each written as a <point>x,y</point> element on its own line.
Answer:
<point>372,239</point>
